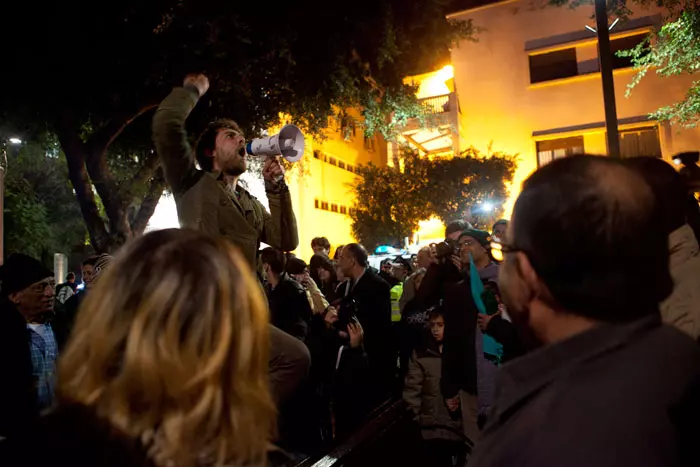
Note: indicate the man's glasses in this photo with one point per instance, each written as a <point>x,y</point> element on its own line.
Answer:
<point>40,287</point>
<point>498,250</point>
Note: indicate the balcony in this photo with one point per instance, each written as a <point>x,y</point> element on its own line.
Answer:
<point>436,131</point>
<point>438,104</point>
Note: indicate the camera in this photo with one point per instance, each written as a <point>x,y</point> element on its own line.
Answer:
<point>446,249</point>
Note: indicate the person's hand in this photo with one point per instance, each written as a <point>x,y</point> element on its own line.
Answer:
<point>331,316</point>
<point>308,282</point>
<point>356,334</point>
<point>484,320</point>
<point>457,261</point>
<point>452,403</point>
<point>199,81</point>
<point>272,170</point>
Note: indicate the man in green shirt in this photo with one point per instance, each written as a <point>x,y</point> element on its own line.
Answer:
<point>209,199</point>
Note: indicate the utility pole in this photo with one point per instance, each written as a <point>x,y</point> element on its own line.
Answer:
<point>606,73</point>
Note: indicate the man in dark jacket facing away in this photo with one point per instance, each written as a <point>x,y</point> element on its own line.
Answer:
<point>290,309</point>
<point>583,275</point>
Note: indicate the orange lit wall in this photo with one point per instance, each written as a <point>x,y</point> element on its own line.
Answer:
<point>329,183</point>
<point>500,107</point>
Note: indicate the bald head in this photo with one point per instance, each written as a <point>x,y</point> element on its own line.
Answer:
<point>590,228</point>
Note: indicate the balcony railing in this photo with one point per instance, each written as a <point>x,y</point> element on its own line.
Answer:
<point>437,104</point>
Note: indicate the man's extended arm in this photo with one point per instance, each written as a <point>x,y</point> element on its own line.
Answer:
<point>280,225</point>
<point>170,137</point>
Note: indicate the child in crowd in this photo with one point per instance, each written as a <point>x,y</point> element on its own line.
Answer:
<point>443,444</point>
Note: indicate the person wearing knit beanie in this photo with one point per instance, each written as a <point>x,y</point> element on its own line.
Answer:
<point>21,280</point>
<point>28,349</point>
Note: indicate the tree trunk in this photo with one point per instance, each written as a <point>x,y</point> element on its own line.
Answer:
<point>90,159</point>
<point>149,203</point>
<point>76,153</point>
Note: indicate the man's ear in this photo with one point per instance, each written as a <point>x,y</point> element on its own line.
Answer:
<point>528,274</point>
<point>15,297</point>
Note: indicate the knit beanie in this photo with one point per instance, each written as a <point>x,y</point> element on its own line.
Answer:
<point>19,272</point>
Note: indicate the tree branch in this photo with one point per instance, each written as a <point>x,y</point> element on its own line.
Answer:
<point>149,203</point>
<point>106,186</point>
<point>76,153</point>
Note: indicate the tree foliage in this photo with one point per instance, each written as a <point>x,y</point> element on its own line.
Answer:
<point>93,71</point>
<point>41,216</point>
<point>672,50</point>
<point>391,201</point>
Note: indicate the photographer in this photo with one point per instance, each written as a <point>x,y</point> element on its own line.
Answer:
<point>445,269</point>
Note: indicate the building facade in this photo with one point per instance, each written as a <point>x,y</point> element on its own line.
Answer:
<point>321,187</point>
<point>531,86</point>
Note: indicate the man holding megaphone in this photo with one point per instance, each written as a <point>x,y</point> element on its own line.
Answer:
<point>210,199</point>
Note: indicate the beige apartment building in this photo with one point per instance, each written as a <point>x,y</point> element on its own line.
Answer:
<point>531,85</point>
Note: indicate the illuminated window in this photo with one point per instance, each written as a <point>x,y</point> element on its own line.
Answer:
<point>553,65</point>
<point>624,43</point>
<point>316,204</point>
<point>552,149</point>
<point>334,207</point>
<point>324,205</point>
<point>640,142</point>
<point>343,210</point>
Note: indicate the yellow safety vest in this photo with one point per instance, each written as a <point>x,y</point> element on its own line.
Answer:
<point>396,293</point>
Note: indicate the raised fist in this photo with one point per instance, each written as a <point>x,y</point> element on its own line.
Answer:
<point>201,82</point>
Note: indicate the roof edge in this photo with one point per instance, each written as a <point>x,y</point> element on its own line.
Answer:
<point>478,8</point>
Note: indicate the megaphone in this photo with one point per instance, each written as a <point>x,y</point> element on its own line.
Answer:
<point>289,143</point>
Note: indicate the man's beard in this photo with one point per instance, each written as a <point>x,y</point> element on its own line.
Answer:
<point>234,170</point>
<point>520,317</point>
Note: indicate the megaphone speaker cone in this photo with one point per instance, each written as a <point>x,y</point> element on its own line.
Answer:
<point>289,143</point>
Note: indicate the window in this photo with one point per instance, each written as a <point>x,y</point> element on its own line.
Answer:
<point>351,211</point>
<point>552,149</point>
<point>640,142</point>
<point>334,207</point>
<point>343,210</point>
<point>317,154</point>
<point>324,205</point>
<point>316,204</point>
<point>332,161</point>
<point>369,143</point>
<point>553,65</point>
<point>350,168</point>
<point>341,164</point>
<point>624,43</point>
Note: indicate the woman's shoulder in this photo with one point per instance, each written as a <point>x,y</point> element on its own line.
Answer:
<point>72,435</point>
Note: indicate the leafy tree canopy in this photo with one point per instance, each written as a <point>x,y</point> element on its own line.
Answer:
<point>391,200</point>
<point>671,51</point>
<point>90,70</point>
<point>41,216</point>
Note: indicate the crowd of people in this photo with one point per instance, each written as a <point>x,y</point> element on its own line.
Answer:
<point>567,336</point>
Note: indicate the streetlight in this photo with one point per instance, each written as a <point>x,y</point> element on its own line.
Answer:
<point>606,72</point>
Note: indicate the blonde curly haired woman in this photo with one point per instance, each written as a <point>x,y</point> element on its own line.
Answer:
<point>167,365</point>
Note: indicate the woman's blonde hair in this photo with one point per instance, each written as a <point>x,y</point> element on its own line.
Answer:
<point>171,347</point>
